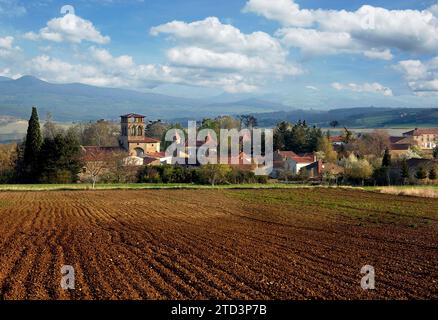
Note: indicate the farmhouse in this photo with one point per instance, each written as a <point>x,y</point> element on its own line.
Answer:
<point>337,141</point>
<point>426,139</point>
<point>288,162</point>
<point>400,146</point>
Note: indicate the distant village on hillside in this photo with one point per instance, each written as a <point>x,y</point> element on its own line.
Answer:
<point>415,147</point>
<point>134,151</point>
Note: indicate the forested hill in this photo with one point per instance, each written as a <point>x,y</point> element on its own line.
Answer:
<point>356,117</point>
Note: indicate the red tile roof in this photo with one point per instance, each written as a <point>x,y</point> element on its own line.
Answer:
<point>304,159</point>
<point>156,155</point>
<point>241,159</point>
<point>337,139</point>
<point>287,154</point>
<point>396,139</point>
<point>419,132</point>
<point>133,115</point>
<point>148,140</point>
<point>400,147</point>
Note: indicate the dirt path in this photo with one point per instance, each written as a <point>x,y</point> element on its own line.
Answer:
<point>197,244</point>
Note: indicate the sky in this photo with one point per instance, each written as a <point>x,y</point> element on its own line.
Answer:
<point>303,53</point>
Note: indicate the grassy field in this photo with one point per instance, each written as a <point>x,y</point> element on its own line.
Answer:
<point>424,191</point>
<point>140,186</point>
<point>146,186</point>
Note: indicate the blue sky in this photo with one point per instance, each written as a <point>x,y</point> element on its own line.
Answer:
<point>304,53</point>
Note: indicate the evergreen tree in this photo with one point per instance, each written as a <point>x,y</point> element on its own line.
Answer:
<point>347,135</point>
<point>404,170</point>
<point>334,123</point>
<point>32,148</point>
<point>421,174</point>
<point>60,159</point>
<point>280,133</point>
<point>432,174</point>
<point>386,162</point>
<point>435,152</point>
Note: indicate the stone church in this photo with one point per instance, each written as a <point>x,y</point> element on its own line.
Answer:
<point>133,138</point>
<point>140,150</point>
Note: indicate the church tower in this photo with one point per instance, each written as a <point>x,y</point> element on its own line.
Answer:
<point>133,138</point>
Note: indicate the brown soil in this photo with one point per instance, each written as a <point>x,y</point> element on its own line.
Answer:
<point>209,244</point>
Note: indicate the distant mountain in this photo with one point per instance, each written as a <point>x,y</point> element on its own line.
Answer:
<point>250,105</point>
<point>357,117</point>
<point>79,102</point>
<point>73,102</point>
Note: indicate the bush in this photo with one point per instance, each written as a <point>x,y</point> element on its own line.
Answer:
<point>61,176</point>
<point>262,179</point>
<point>421,174</point>
<point>381,176</point>
<point>168,174</point>
<point>209,174</point>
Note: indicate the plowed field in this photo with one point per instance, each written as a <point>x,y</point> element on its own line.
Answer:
<point>212,244</point>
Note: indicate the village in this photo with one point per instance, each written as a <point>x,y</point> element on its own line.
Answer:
<point>410,158</point>
<point>136,152</point>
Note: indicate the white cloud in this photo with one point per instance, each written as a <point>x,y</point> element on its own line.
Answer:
<point>213,55</point>
<point>7,48</point>
<point>6,43</point>
<point>313,88</point>
<point>376,54</point>
<point>7,72</point>
<point>211,49</point>
<point>69,28</point>
<point>434,10</point>
<point>413,69</point>
<point>285,11</point>
<point>316,42</point>
<point>102,69</point>
<point>217,36</point>
<point>422,77</point>
<point>105,58</point>
<point>368,28</point>
<point>204,58</point>
<point>366,87</point>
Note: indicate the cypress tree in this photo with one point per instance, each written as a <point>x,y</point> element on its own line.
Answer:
<point>386,162</point>
<point>404,170</point>
<point>432,174</point>
<point>32,147</point>
<point>421,174</point>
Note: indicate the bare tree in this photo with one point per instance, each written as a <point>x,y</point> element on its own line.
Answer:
<point>98,162</point>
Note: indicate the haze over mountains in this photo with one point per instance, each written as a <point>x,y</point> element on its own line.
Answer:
<point>79,102</point>
<point>75,102</point>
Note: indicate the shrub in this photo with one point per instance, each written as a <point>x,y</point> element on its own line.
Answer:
<point>208,174</point>
<point>421,174</point>
<point>432,174</point>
